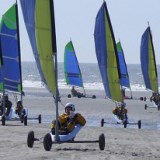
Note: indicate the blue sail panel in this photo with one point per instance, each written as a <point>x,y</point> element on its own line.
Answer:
<point>10,48</point>
<point>148,62</point>
<point>71,67</point>
<point>106,53</point>
<point>124,78</point>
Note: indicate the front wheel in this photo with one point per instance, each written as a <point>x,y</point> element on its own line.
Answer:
<point>69,95</point>
<point>101,141</point>
<point>47,142</point>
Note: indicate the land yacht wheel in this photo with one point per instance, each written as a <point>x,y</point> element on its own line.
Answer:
<point>47,142</point>
<point>101,141</point>
<point>39,118</point>
<point>69,95</point>
<point>125,124</point>
<point>3,120</point>
<point>102,122</point>
<point>94,97</point>
<point>25,120</point>
<point>145,107</point>
<point>139,124</point>
<point>30,139</point>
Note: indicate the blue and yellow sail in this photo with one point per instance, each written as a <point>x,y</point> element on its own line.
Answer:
<point>72,71</point>
<point>106,53</point>
<point>148,61</point>
<point>124,78</point>
<point>39,20</point>
<point>10,76</point>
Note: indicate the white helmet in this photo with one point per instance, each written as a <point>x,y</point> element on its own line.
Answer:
<point>70,105</point>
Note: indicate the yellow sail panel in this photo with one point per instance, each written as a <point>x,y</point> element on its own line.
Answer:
<point>152,67</point>
<point>43,32</point>
<point>112,68</point>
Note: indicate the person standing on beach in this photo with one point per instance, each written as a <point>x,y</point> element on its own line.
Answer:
<point>68,120</point>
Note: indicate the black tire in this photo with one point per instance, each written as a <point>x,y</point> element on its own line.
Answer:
<point>141,98</point>
<point>94,97</point>
<point>79,96</point>
<point>69,95</point>
<point>47,142</point>
<point>21,120</point>
<point>145,107</point>
<point>125,124</point>
<point>25,120</point>
<point>139,124</point>
<point>39,118</point>
<point>30,139</point>
<point>158,107</point>
<point>3,120</point>
<point>101,141</point>
<point>144,98</point>
<point>102,122</point>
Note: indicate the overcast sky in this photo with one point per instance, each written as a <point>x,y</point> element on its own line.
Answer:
<point>75,20</point>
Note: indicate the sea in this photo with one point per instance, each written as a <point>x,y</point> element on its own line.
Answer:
<point>90,72</point>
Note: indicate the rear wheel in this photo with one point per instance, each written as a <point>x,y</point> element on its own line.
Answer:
<point>145,107</point>
<point>139,124</point>
<point>25,120</point>
<point>158,107</point>
<point>30,139</point>
<point>47,142</point>
<point>3,120</point>
<point>94,96</point>
<point>69,95</point>
<point>39,118</point>
<point>101,141</point>
<point>125,124</point>
<point>102,122</point>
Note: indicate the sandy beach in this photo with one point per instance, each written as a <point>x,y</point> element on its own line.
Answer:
<point>121,143</point>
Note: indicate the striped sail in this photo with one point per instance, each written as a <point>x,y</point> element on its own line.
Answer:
<point>106,53</point>
<point>10,77</point>
<point>39,20</point>
<point>148,61</point>
<point>71,67</point>
<point>124,78</point>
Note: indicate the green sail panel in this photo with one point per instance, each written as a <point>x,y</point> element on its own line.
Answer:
<point>72,70</point>
<point>44,42</point>
<point>39,20</point>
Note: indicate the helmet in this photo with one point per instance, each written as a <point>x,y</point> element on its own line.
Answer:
<point>70,105</point>
<point>19,102</point>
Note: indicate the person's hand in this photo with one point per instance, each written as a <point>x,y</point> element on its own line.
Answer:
<point>72,114</point>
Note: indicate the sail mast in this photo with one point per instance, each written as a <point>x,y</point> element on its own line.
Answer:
<point>19,49</point>
<point>54,48</point>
